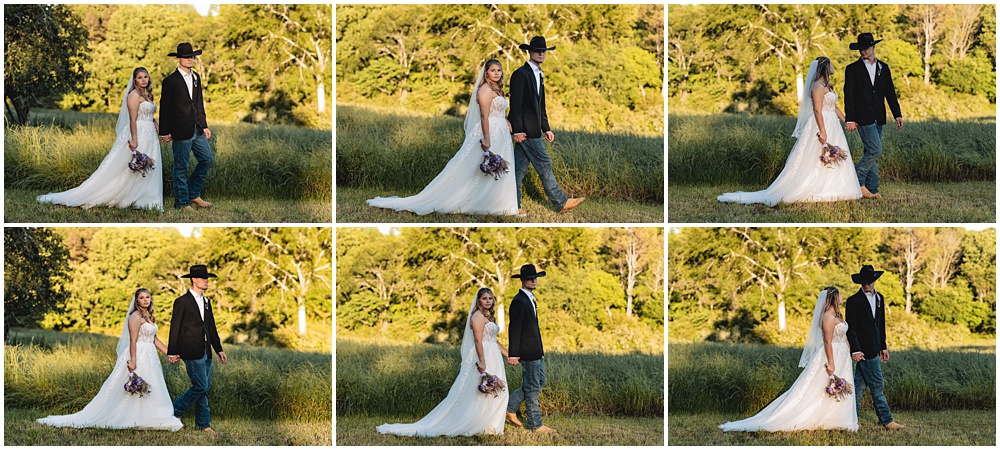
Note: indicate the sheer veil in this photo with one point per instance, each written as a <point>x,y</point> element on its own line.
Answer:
<point>814,343</point>
<point>123,118</point>
<point>473,119</point>
<point>806,104</point>
<point>125,339</point>
<point>468,340</point>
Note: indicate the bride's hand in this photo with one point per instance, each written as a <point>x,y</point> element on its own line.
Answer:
<point>822,137</point>
<point>484,144</point>
<point>132,146</point>
<point>829,369</point>
<point>131,367</point>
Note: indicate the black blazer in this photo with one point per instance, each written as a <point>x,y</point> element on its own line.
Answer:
<point>180,114</point>
<point>525,338</point>
<point>188,332</point>
<point>527,107</point>
<point>865,333</point>
<point>864,103</point>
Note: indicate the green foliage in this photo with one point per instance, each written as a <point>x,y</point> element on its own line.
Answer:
<point>744,378</point>
<point>44,55</point>
<point>266,276</point>
<point>604,76</point>
<point>749,58</point>
<point>416,377</point>
<point>722,287</point>
<point>35,267</point>
<point>382,148</point>
<point>62,372</point>
<point>251,160</point>
<point>753,150</point>
<point>261,63</point>
<point>416,284</point>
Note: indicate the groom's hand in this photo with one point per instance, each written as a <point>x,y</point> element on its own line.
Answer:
<point>858,356</point>
<point>549,136</point>
<point>208,133</point>
<point>884,356</point>
<point>520,137</point>
<point>899,123</point>
<point>166,138</point>
<point>513,360</point>
<point>222,355</point>
<point>851,126</point>
<point>173,359</point>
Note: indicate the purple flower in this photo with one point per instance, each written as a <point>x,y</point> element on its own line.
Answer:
<point>136,385</point>
<point>141,162</point>
<point>493,164</point>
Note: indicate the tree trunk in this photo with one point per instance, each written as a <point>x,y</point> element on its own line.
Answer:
<point>321,95</point>
<point>799,85</point>
<point>21,110</point>
<point>781,314</point>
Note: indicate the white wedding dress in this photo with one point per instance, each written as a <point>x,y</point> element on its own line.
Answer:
<point>465,411</point>
<point>806,406</point>
<point>113,183</point>
<point>805,178</point>
<point>461,188</point>
<point>112,407</point>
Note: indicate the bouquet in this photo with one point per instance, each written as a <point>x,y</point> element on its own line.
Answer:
<point>838,388</point>
<point>832,155</point>
<point>141,162</point>
<point>136,385</point>
<point>491,384</point>
<point>493,164</point>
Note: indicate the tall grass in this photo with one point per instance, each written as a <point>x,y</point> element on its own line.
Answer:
<point>251,161</point>
<point>706,377</point>
<point>375,377</point>
<point>753,149</point>
<point>383,149</point>
<point>61,372</point>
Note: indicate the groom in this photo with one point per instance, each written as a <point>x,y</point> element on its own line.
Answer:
<point>865,315</point>
<point>192,338</point>
<point>526,347</point>
<point>529,122</point>
<point>867,88</point>
<point>182,121</point>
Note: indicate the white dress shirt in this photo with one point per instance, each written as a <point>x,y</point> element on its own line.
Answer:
<point>200,300</point>
<point>532,298</point>
<point>538,82</point>
<point>871,69</point>
<point>871,301</point>
<point>189,81</point>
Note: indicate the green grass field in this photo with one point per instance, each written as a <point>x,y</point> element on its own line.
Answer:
<point>924,428</point>
<point>266,173</point>
<point>262,396</point>
<point>395,154</point>
<point>903,202</point>
<point>20,428</point>
<point>572,429</point>
<point>351,208</point>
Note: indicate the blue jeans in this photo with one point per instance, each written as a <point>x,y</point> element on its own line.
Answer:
<point>188,188</point>
<point>533,151</point>
<point>868,373</point>
<point>532,381</point>
<point>200,373</point>
<point>867,167</point>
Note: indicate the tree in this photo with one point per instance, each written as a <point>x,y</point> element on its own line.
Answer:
<point>909,246</point>
<point>630,248</point>
<point>928,32</point>
<point>35,275</point>
<point>792,33</point>
<point>943,258</point>
<point>45,48</point>
<point>961,33</point>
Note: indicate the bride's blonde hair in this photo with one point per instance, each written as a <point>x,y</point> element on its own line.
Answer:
<point>833,300</point>
<point>498,86</point>
<point>823,65</point>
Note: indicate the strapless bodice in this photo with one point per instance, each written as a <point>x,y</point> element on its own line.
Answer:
<point>499,107</point>
<point>491,331</point>
<point>829,101</point>
<point>146,112</point>
<point>147,332</point>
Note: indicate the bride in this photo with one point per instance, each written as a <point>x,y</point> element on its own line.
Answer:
<point>805,178</point>
<point>113,183</point>
<point>806,405</point>
<point>461,187</point>
<point>113,407</point>
<point>466,411</point>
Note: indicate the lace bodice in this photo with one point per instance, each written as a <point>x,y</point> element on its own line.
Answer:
<point>829,101</point>
<point>147,331</point>
<point>146,111</point>
<point>491,331</point>
<point>840,333</point>
<point>499,107</point>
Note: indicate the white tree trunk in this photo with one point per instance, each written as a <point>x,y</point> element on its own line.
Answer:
<point>799,86</point>
<point>781,315</point>
<point>302,320</point>
<point>321,97</point>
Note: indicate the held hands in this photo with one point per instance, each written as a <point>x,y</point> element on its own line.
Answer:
<point>513,361</point>
<point>851,126</point>
<point>520,137</point>
<point>858,356</point>
<point>172,359</point>
<point>166,138</point>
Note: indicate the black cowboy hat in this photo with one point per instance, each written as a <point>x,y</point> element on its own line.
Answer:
<point>867,275</point>
<point>865,40</point>
<point>199,271</point>
<point>528,272</point>
<point>184,50</point>
<point>537,44</point>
